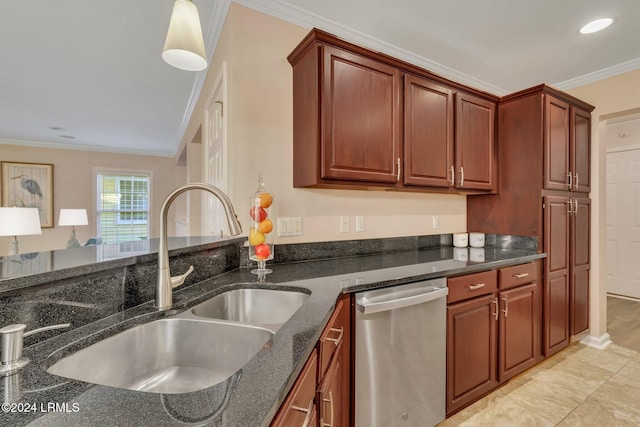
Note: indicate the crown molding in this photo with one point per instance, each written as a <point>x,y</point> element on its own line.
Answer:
<point>76,147</point>
<point>287,12</point>
<point>605,73</point>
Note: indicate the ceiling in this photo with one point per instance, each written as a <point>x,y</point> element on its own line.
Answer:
<point>88,74</point>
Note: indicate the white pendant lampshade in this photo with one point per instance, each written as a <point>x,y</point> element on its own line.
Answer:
<point>73,217</point>
<point>19,222</point>
<point>184,46</point>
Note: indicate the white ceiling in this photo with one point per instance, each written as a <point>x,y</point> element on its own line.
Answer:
<point>94,69</point>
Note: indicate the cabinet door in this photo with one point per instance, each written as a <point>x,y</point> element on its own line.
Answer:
<point>361,118</point>
<point>471,350</point>
<point>332,395</point>
<point>475,145</point>
<point>299,408</point>
<point>519,330</point>
<point>580,264</point>
<point>428,133</point>
<point>556,144</point>
<point>556,289</point>
<point>581,150</point>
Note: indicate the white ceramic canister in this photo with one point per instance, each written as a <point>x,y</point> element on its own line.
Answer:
<point>476,240</point>
<point>460,240</point>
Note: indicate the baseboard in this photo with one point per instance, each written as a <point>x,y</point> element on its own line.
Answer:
<point>600,343</point>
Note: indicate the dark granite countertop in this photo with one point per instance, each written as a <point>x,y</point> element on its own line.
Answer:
<point>252,396</point>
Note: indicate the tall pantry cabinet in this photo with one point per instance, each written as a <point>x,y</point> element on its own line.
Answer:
<point>544,184</point>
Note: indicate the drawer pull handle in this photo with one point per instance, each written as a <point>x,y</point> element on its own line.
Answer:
<point>495,301</point>
<point>338,340</point>
<point>330,402</point>
<point>399,167</point>
<point>476,286</point>
<point>520,275</point>
<point>506,306</point>
<point>308,411</point>
<point>453,175</point>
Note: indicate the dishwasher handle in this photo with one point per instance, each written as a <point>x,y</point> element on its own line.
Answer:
<point>365,306</point>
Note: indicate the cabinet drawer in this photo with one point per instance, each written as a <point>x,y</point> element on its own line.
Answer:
<point>299,406</point>
<point>517,275</point>
<point>331,337</point>
<point>472,285</point>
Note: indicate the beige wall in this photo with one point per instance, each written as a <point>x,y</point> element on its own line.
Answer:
<point>260,134</point>
<point>613,97</point>
<point>73,182</point>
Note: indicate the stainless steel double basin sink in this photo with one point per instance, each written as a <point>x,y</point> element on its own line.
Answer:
<point>190,351</point>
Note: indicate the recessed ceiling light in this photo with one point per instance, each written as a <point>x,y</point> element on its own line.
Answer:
<point>68,136</point>
<point>597,25</point>
<point>56,128</point>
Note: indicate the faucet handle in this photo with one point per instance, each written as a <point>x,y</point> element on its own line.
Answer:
<point>179,280</point>
<point>12,341</point>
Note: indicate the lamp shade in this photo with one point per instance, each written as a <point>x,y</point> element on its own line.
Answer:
<point>184,45</point>
<point>73,217</point>
<point>19,221</point>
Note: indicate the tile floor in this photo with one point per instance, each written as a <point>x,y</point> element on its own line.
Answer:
<point>580,386</point>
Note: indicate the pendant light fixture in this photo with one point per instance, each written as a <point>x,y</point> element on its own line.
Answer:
<point>184,46</point>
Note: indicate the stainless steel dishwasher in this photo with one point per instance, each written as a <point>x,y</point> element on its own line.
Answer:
<point>400,355</point>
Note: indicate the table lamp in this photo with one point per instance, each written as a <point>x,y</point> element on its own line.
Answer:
<point>73,217</point>
<point>16,222</point>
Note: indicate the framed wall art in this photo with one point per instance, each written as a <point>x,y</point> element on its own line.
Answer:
<point>29,185</point>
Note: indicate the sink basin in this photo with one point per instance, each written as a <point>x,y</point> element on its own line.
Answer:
<point>166,356</point>
<point>265,307</point>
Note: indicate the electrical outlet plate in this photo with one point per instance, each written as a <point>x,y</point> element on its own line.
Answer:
<point>344,224</point>
<point>435,224</point>
<point>290,226</point>
<point>359,224</point>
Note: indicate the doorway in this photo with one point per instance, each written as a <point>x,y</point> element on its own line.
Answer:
<point>214,155</point>
<point>623,208</point>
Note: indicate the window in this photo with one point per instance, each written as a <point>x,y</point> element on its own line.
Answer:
<point>122,206</point>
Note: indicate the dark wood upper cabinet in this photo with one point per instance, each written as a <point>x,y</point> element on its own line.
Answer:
<point>476,149</point>
<point>361,113</point>
<point>581,150</point>
<point>556,145</point>
<point>567,146</point>
<point>428,133</point>
<point>362,119</point>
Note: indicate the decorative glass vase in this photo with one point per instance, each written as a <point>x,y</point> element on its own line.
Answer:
<point>261,226</point>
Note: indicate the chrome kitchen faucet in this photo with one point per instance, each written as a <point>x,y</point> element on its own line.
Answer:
<point>166,283</point>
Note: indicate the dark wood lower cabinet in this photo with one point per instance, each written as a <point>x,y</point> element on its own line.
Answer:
<point>321,395</point>
<point>519,325</point>
<point>299,407</point>
<point>471,351</point>
<point>492,337</point>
